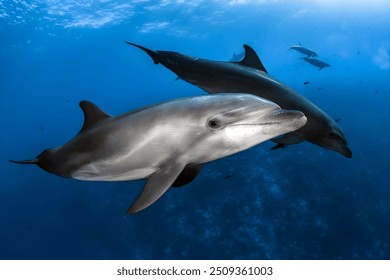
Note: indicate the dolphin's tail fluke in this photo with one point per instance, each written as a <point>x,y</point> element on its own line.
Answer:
<point>151,53</point>
<point>29,161</point>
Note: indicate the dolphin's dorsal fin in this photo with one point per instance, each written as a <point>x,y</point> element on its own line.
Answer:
<point>251,59</point>
<point>92,114</point>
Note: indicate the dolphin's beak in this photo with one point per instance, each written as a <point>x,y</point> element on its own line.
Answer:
<point>282,115</point>
<point>341,148</point>
<point>289,120</point>
<point>151,53</point>
<point>346,152</point>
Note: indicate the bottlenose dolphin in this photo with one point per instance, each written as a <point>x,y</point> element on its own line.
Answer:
<point>237,57</point>
<point>166,143</point>
<point>304,50</point>
<point>250,76</point>
<point>316,62</point>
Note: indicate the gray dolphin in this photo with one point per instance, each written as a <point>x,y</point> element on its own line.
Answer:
<point>167,142</point>
<point>304,50</point>
<point>316,62</point>
<point>237,57</point>
<point>250,76</point>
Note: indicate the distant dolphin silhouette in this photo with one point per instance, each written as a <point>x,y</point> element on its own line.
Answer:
<point>304,50</point>
<point>316,62</point>
<point>237,57</point>
<point>249,75</point>
<point>167,142</point>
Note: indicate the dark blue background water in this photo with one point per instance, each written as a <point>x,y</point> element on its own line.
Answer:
<point>302,202</point>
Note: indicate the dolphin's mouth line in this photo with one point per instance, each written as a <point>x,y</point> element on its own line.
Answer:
<point>272,122</point>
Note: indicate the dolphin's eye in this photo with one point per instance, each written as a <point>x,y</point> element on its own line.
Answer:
<point>336,137</point>
<point>333,135</point>
<point>213,124</point>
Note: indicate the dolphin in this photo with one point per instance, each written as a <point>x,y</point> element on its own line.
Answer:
<point>316,62</point>
<point>304,50</point>
<point>167,142</point>
<point>236,57</point>
<point>250,76</point>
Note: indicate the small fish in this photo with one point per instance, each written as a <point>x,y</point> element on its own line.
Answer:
<point>376,92</point>
<point>228,176</point>
<point>337,120</point>
<point>306,83</point>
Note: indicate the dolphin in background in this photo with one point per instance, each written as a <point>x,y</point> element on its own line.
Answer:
<point>304,50</point>
<point>316,62</point>
<point>250,76</point>
<point>166,143</point>
<point>237,57</point>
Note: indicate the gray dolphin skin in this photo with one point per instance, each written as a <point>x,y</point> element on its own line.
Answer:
<point>304,50</point>
<point>250,76</point>
<point>166,143</point>
<point>316,62</point>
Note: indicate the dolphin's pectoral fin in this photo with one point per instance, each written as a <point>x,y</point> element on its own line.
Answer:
<point>212,90</point>
<point>251,59</point>
<point>187,175</point>
<point>92,114</point>
<point>158,183</point>
<point>279,146</point>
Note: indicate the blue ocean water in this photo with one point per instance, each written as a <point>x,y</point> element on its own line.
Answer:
<point>302,202</point>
